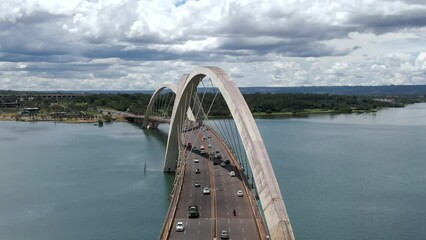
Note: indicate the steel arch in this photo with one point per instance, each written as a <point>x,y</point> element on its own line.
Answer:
<point>154,97</point>
<point>272,202</point>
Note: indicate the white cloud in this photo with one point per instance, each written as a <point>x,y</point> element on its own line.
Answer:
<point>131,44</point>
<point>421,61</point>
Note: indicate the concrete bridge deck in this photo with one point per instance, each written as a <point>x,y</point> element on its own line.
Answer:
<point>216,209</point>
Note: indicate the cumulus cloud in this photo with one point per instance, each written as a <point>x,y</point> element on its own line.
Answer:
<point>421,61</point>
<point>130,44</point>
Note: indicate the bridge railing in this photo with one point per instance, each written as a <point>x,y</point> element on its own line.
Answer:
<point>176,191</point>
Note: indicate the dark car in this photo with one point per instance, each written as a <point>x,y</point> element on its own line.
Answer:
<point>224,234</point>
<point>193,212</point>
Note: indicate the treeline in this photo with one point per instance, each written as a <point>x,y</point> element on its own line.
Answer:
<point>300,102</point>
<point>257,102</point>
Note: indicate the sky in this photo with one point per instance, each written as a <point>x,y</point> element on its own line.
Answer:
<point>138,45</point>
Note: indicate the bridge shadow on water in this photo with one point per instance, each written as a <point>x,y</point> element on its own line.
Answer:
<point>160,136</point>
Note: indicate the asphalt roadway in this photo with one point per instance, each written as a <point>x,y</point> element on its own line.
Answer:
<point>216,209</point>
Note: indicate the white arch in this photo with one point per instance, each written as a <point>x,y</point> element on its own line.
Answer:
<point>154,97</point>
<point>269,192</point>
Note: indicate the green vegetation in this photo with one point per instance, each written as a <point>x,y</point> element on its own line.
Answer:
<point>88,107</point>
<point>300,103</point>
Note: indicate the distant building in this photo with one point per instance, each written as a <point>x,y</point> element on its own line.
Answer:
<point>10,105</point>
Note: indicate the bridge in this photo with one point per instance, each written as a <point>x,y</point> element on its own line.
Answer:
<point>224,186</point>
<point>153,121</point>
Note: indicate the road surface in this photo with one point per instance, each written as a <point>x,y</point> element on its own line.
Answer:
<point>216,209</point>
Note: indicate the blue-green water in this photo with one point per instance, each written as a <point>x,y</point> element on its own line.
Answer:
<point>342,176</point>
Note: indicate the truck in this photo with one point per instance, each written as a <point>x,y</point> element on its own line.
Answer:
<point>193,212</point>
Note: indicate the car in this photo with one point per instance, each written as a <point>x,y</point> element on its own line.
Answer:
<point>197,171</point>
<point>240,193</point>
<point>227,161</point>
<point>180,227</point>
<point>204,137</point>
<point>194,148</point>
<point>209,146</point>
<point>215,163</point>
<point>206,191</point>
<point>222,164</point>
<point>217,150</point>
<point>209,136</point>
<point>193,212</point>
<point>197,184</point>
<point>196,160</point>
<point>232,173</point>
<point>224,234</point>
<point>218,156</point>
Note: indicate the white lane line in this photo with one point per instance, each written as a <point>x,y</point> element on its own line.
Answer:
<point>242,229</point>
<point>228,223</point>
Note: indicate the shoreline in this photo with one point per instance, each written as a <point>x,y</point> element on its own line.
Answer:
<point>261,115</point>
<point>11,118</point>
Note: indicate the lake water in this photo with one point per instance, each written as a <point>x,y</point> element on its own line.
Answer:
<point>358,176</point>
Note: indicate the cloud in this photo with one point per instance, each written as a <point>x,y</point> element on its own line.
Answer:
<point>421,61</point>
<point>63,44</point>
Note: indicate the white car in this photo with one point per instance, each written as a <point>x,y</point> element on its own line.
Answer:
<point>240,193</point>
<point>206,191</point>
<point>222,164</point>
<point>180,227</point>
<point>232,173</point>
<point>209,136</point>
<point>209,146</point>
<point>196,160</point>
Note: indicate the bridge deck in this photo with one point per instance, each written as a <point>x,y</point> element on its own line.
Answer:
<point>216,209</point>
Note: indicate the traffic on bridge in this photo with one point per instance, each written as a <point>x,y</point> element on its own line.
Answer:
<point>213,184</point>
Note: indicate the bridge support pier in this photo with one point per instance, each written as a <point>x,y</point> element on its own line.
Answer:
<point>153,125</point>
